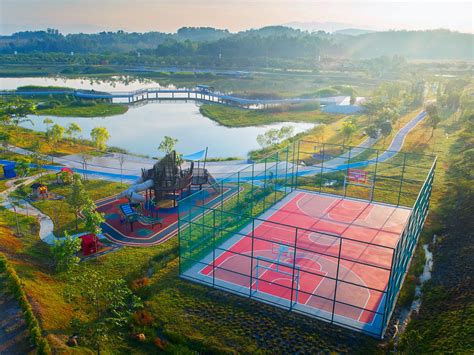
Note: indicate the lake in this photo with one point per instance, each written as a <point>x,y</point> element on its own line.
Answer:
<point>141,129</point>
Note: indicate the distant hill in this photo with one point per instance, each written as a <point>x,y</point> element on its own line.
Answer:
<point>272,31</point>
<point>201,33</point>
<point>353,31</point>
<point>319,26</point>
<point>435,45</point>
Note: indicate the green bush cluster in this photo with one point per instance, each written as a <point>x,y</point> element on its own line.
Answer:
<point>82,103</point>
<point>15,287</point>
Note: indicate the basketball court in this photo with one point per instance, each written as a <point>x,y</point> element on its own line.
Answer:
<point>333,241</point>
<point>316,253</point>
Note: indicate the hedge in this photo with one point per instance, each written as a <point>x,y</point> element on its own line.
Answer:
<point>15,287</point>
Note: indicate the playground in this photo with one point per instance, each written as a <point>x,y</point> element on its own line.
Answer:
<point>146,213</point>
<point>335,246</point>
<point>131,224</point>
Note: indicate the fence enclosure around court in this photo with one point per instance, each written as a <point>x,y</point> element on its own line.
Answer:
<point>257,242</point>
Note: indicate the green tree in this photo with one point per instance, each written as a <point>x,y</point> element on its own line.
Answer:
<point>92,218</point>
<point>434,118</point>
<point>348,128</point>
<point>5,138</point>
<point>352,99</point>
<point>16,112</point>
<point>23,166</point>
<point>48,122</point>
<point>269,138</point>
<point>167,144</point>
<point>77,198</point>
<point>285,132</point>
<point>434,122</point>
<point>100,136</point>
<point>109,302</point>
<point>388,114</point>
<point>54,136</point>
<point>36,156</point>
<point>73,130</point>
<point>65,253</point>
<point>385,129</point>
<point>432,110</point>
<point>372,131</point>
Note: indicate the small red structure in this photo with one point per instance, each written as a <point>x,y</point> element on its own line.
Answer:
<point>90,244</point>
<point>64,174</point>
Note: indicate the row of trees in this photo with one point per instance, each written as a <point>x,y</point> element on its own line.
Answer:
<point>271,42</point>
<point>55,134</point>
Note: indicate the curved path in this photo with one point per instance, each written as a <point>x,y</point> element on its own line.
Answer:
<point>393,149</point>
<point>25,208</point>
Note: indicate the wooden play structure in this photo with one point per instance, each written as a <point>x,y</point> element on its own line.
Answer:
<point>169,180</point>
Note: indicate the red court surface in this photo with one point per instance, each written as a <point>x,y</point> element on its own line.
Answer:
<point>356,251</point>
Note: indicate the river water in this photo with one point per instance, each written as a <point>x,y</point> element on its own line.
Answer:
<point>141,129</point>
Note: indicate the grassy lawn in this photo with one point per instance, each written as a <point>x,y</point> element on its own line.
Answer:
<point>65,106</point>
<point>3,185</point>
<point>27,138</point>
<point>59,211</point>
<point>238,117</point>
<point>98,110</point>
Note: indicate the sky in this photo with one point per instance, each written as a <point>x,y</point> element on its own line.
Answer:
<point>235,15</point>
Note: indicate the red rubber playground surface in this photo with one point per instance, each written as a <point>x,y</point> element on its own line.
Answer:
<point>336,238</point>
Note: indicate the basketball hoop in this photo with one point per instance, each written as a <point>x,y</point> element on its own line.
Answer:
<point>358,177</point>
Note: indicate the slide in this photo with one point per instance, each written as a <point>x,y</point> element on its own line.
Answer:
<point>132,192</point>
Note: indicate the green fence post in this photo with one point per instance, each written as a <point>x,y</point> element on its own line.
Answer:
<point>252,190</point>
<point>293,167</point>
<point>214,248</point>
<point>251,258</point>
<point>337,280</point>
<point>179,242</point>
<point>275,178</point>
<point>375,176</point>
<point>297,165</point>
<point>347,172</point>
<point>293,271</point>
<point>286,170</point>
<point>238,187</point>
<point>322,169</point>
<point>401,178</point>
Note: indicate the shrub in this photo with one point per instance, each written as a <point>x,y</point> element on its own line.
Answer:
<point>160,343</point>
<point>15,287</point>
<point>143,318</point>
<point>80,103</point>
<point>139,283</point>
